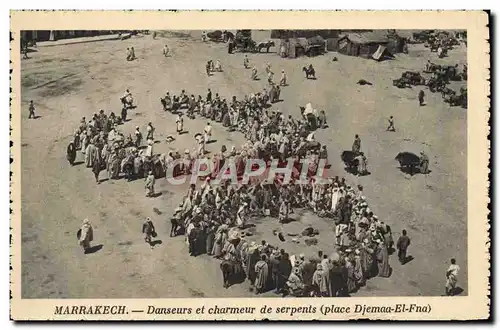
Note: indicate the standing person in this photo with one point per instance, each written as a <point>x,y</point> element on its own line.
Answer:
<point>384,270</point>
<point>165,51</point>
<point>270,75</point>
<point>283,212</point>
<point>208,132</point>
<point>150,184</point>
<point>124,113</point>
<point>31,110</point>
<point>241,215</point>
<point>254,73</point>
<point>262,271</point>
<point>356,145</point>
<point>132,53</point>
<point>424,163</point>
<point>246,62</point>
<point>230,46</point>
<point>451,278</point>
<point>421,95</point>
<point>402,245</point>
<point>319,281</point>
<point>180,123</point>
<point>150,132</point>
<point>128,54</point>
<point>85,235</point>
<point>283,78</point>
<point>391,127</point>
<point>138,137</point>
<point>148,229</point>
<point>96,168</point>
<point>218,66</point>
<point>208,67</point>
<point>209,95</point>
<point>274,262</point>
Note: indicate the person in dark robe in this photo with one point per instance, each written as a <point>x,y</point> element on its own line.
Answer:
<point>252,259</point>
<point>193,240</point>
<point>308,269</point>
<point>284,270</point>
<point>210,238</point>
<point>384,270</point>
<point>201,240</point>
<point>96,169</point>
<point>274,261</point>
<point>226,119</point>
<point>356,146</point>
<point>421,95</point>
<point>262,272</point>
<point>149,231</point>
<point>402,246</point>
<point>336,279</point>
<point>124,114</point>
<point>351,278</point>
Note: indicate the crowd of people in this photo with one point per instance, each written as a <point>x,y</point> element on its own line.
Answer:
<point>215,221</point>
<point>215,218</point>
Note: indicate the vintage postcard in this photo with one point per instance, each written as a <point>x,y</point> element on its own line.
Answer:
<point>245,165</point>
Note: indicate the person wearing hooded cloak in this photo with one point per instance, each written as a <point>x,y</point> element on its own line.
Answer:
<point>262,272</point>
<point>220,240</point>
<point>85,235</point>
<point>319,281</point>
<point>384,270</point>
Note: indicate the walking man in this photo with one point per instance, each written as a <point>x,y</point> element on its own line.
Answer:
<point>283,78</point>
<point>356,146</point>
<point>208,132</point>
<point>148,229</point>
<point>421,95</point>
<point>165,51</point>
<point>391,127</point>
<point>402,246</point>
<point>451,278</point>
<point>31,110</point>
<point>150,184</point>
<point>85,235</point>
<point>180,123</point>
<point>150,130</point>
<point>138,137</point>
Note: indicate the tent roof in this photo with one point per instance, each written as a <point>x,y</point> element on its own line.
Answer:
<point>377,36</point>
<point>317,40</point>
<point>298,42</point>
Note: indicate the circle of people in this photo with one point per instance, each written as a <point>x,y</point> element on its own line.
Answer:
<point>214,219</point>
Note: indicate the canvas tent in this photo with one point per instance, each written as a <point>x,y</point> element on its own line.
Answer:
<point>287,34</point>
<point>361,44</point>
<point>381,53</point>
<point>296,47</point>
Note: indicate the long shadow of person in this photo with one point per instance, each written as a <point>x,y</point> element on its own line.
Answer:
<point>93,249</point>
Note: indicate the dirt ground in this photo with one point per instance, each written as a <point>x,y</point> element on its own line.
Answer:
<point>70,81</point>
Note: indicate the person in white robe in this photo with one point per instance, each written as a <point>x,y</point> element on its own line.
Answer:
<point>180,123</point>
<point>86,235</point>
<point>451,278</point>
<point>165,50</point>
<point>241,215</point>
<point>207,132</point>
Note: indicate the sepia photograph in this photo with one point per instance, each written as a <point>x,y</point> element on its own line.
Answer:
<point>248,163</point>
